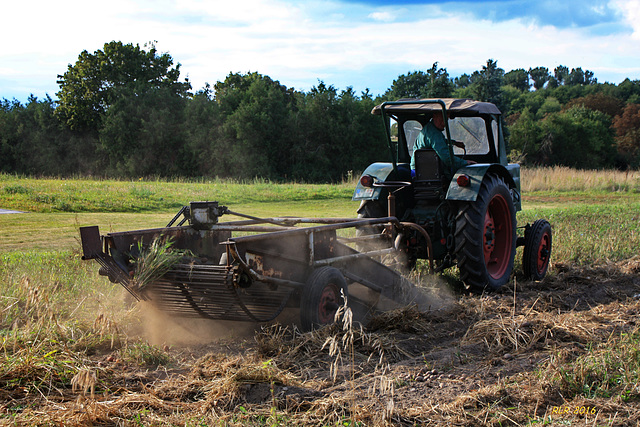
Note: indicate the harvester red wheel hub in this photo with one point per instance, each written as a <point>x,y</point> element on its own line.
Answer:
<point>497,237</point>
<point>543,252</point>
<point>328,304</point>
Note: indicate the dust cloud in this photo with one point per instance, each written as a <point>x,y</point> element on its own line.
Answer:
<point>161,328</point>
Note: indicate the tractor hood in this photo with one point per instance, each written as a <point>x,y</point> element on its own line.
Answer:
<point>463,107</point>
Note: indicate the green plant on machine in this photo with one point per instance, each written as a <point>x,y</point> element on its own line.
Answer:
<point>155,261</point>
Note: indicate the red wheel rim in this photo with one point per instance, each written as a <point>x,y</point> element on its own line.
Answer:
<point>497,237</point>
<point>543,253</point>
<point>329,303</point>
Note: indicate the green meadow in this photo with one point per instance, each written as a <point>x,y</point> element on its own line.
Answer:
<point>594,214</point>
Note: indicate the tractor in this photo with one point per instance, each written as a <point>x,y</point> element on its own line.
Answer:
<point>465,217</point>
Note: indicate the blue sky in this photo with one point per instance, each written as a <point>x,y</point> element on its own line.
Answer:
<point>358,43</point>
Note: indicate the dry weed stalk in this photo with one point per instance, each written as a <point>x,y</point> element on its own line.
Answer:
<point>338,343</point>
<point>512,333</point>
<point>383,387</point>
<point>85,379</point>
<point>104,325</point>
<point>37,305</point>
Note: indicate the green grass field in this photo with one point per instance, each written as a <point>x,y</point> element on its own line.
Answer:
<point>594,219</point>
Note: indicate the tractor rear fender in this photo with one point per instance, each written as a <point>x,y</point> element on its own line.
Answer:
<point>381,172</point>
<point>476,173</point>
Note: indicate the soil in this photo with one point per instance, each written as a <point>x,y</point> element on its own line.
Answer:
<point>478,359</point>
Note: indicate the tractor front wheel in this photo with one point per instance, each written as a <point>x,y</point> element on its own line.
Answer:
<point>323,294</point>
<point>537,250</point>
<point>485,238</point>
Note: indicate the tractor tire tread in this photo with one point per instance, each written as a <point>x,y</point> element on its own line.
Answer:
<point>468,236</point>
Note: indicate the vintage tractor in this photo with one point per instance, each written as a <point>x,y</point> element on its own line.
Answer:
<point>466,217</point>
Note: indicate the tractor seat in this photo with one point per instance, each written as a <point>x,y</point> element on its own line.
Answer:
<point>429,181</point>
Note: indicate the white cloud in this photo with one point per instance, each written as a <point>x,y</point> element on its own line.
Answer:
<point>382,16</point>
<point>300,42</point>
<point>631,11</point>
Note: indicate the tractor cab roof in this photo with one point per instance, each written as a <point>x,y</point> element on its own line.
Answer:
<point>459,107</point>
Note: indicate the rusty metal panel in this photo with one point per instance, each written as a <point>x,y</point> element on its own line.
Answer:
<point>91,243</point>
<point>201,242</point>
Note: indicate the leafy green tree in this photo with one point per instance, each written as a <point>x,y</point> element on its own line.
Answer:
<point>337,135</point>
<point>257,114</point>
<point>628,91</point>
<point>32,141</point>
<point>518,78</point>
<point>510,98</point>
<point>90,86</point>
<point>525,139</point>
<point>142,134</point>
<point>440,85</point>
<point>410,85</point>
<point>462,81</point>
<point>565,93</point>
<point>9,135</point>
<point>549,106</point>
<point>540,76</point>
<point>205,147</point>
<point>579,138</point>
<point>576,77</point>
<point>434,83</point>
<point>561,74</point>
<point>487,82</point>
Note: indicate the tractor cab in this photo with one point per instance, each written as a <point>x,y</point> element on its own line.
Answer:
<point>473,131</point>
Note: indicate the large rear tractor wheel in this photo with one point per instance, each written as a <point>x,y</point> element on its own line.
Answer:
<point>485,238</point>
<point>321,297</point>
<point>537,250</point>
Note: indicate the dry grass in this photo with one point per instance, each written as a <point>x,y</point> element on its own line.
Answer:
<point>286,379</point>
<point>564,179</point>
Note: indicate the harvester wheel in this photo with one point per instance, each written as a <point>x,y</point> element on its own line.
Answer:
<point>321,297</point>
<point>485,239</point>
<point>537,250</point>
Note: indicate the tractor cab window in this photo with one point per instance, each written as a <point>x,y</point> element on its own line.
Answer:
<point>472,132</point>
<point>411,130</point>
<point>393,130</point>
<point>494,131</point>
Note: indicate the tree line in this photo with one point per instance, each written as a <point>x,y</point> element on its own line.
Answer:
<point>123,111</point>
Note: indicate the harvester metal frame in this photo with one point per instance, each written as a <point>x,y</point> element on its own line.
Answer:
<point>274,263</point>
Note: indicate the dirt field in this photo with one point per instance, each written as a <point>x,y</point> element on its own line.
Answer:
<point>507,358</point>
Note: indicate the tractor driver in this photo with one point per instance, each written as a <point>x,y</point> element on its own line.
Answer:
<point>431,137</point>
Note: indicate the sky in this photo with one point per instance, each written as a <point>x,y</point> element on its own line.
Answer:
<point>363,44</point>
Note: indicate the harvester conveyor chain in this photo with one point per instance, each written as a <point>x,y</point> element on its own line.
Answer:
<point>209,291</point>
